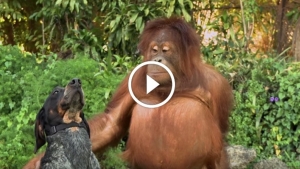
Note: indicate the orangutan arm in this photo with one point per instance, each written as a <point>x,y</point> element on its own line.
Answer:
<point>35,162</point>
<point>108,128</point>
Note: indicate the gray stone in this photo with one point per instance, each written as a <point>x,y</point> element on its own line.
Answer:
<point>273,163</point>
<point>240,157</point>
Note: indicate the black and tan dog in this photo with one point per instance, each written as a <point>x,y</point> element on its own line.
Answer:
<point>61,123</point>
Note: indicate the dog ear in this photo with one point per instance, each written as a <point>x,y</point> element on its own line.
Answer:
<point>40,139</point>
<point>85,122</point>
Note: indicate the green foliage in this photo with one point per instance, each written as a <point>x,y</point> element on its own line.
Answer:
<point>96,27</point>
<point>250,9</point>
<point>12,72</point>
<point>125,20</point>
<point>178,7</point>
<point>10,9</point>
<point>82,42</point>
<point>113,160</point>
<point>15,116</point>
<point>293,15</point>
<point>65,23</point>
<point>272,128</point>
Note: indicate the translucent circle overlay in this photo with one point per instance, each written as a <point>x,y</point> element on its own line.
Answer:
<point>151,105</point>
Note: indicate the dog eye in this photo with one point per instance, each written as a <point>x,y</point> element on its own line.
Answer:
<point>55,92</point>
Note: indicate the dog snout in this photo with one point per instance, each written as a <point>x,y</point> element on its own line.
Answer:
<point>75,82</point>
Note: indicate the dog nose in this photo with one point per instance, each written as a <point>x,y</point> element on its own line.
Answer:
<point>75,82</point>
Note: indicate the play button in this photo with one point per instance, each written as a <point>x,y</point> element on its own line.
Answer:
<point>151,84</point>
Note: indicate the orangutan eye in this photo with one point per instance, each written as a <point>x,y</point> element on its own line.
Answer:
<point>166,49</point>
<point>155,49</point>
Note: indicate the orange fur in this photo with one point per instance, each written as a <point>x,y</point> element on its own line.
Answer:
<point>34,163</point>
<point>180,134</point>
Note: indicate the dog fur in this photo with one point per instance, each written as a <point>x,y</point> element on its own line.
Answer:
<point>69,147</point>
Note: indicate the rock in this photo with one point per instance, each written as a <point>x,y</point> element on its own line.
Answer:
<point>273,163</point>
<point>240,157</point>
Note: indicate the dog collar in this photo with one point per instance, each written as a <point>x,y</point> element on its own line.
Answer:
<point>50,130</point>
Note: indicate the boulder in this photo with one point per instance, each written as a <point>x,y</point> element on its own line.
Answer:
<point>273,163</point>
<point>240,157</point>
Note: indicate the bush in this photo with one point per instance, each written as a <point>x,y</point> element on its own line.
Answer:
<point>13,125</point>
<point>266,92</point>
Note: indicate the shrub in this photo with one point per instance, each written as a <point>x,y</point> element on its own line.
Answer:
<point>266,93</point>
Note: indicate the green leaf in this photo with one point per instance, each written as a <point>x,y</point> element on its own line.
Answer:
<point>186,15</point>
<point>72,5</point>
<point>138,23</point>
<point>9,123</point>
<point>1,105</point>
<point>133,17</point>
<point>232,35</point>
<point>190,4</point>
<point>7,64</point>
<point>58,2</point>
<point>170,10</point>
<point>141,8</point>
<point>226,25</point>
<point>118,37</point>
<point>103,6</point>
<point>118,18</point>
<point>291,89</point>
<point>181,3</point>
<point>146,11</point>
<point>266,106</point>
<point>107,92</point>
<point>77,7</point>
<point>65,3</point>
<point>19,126</point>
<point>281,96</point>
<point>112,24</point>
<point>25,120</point>
<point>218,51</point>
<point>11,105</point>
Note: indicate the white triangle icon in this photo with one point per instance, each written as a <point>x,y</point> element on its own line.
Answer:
<point>151,84</point>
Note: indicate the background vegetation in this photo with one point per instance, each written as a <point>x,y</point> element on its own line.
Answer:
<point>253,43</point>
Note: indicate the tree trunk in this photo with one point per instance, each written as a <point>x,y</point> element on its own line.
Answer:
<point>281,26</point>
<point>296,41</point>
<point>8,32</point>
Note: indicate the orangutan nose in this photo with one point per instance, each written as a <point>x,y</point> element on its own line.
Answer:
<point>158,59</point>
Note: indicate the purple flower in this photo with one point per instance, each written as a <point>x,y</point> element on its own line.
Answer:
<point>274,99</point>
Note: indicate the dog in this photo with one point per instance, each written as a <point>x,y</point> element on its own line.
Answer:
<point>61,123</point>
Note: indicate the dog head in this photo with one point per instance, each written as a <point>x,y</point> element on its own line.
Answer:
<point>63,105</point>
